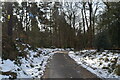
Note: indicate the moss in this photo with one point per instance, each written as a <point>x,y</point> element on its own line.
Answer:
<point>104,54</point>
<point>106,59</point>
<point>114,60</point>
<point>94,53</point>
<point>18,69</point>
<point>35,56</point>
<point>117,70</point>
<point>40,52</point>
<point>23,54</point>
<point>13,74</point>
<point>100,63</point>
<point>105,67</point>
<point>31,65</point>
<point>39,69</point>
<point>101,58</point>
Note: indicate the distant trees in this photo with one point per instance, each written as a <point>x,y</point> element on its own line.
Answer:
<point>78,25</point>
<point>102,41</point>
<point>109,22</point>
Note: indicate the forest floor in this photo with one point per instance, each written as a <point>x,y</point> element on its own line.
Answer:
<point>62,66</point>
<point>104,64</point>
<point>58,63</point>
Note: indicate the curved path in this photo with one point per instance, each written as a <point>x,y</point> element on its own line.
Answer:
<point>62,66</point>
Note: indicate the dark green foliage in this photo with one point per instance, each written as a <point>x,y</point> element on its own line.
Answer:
<point>110,21</point>
<point>118,70</point>
<point>102,41</point>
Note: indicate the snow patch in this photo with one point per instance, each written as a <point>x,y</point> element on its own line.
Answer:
<point>32,66</point>
<point>99,63</point>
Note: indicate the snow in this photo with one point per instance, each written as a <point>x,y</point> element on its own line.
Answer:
<point>31,66</point>
<point>7,65</point>
<point>99,63</point>
<point>71,52</point>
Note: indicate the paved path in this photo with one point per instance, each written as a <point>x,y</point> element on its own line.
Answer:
<point>62,66</point>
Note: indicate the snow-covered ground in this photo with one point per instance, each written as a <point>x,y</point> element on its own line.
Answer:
<point>103,64</point>
<point>30,66</point>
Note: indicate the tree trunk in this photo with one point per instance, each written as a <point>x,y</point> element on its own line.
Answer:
<point>10,19</point>
<point>90,28</point>
<point>85,15</point>
<point>83,28</point>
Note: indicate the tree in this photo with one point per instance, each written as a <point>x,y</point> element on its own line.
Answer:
<point>109,20</point>
<point>8,46</point>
